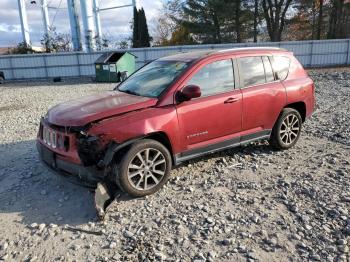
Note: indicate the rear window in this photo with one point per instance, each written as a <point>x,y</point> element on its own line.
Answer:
<point>253,71</point>
<point>281,66</point>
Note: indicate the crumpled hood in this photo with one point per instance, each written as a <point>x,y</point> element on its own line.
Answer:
<point>82,111</point>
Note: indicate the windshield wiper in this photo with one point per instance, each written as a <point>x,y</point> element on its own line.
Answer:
<point>129,92</point>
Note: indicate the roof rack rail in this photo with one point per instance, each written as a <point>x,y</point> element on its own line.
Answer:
<point>252,48</point>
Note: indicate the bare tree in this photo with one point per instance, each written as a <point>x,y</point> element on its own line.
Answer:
<point>256,20</point>
<point>275,12</point>
<point>320,20</point>
<point>168,23</point>
<point>56,42</point>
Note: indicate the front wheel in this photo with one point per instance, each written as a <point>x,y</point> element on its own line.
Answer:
<point>144,169</point>
<point>286,131</point>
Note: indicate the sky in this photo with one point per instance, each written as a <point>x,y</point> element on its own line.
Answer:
<point>115,23</point>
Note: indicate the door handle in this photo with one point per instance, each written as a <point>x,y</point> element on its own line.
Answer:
<point>231,100</point>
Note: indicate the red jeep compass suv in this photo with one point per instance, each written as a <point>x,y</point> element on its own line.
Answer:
<point>177,108</point>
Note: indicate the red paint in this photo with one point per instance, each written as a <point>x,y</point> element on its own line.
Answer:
<point>82,111</point>
<point>190,124</point>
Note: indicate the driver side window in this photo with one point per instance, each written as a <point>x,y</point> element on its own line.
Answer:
<point>214,78</point>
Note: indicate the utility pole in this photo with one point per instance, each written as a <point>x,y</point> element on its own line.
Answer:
<point>88,24</point>
<point>24,22</point>
<point>74,25</point>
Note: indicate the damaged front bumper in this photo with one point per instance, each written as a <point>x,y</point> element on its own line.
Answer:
<point>86,176</point>
<point>78,174</point>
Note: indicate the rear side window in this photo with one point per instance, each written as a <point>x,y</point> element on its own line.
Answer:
<point>268,69</point>
<point>281,66</point>
<point>214,78</point>
<point>253,71</point>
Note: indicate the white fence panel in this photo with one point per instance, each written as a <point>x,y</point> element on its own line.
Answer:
<point>321,53</point>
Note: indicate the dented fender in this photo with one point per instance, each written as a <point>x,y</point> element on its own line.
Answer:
<point>115,133</point>
<point>114,148</point>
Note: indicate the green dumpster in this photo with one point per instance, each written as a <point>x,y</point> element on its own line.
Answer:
<point>114,66</point>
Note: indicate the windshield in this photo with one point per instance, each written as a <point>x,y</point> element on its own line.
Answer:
<point>153,79</point>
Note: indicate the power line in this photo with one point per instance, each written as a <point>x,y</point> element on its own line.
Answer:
<point>57,10</point>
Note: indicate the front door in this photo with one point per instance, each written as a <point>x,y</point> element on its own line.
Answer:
<point>216,115</point>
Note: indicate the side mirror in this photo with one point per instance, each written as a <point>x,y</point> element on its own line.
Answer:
<point>189,92</point>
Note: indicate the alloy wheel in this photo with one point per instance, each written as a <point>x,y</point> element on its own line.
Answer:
<point>290,129</point>
<point>146,169</point>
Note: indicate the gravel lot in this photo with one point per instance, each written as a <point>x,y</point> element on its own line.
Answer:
<point>248,203</point>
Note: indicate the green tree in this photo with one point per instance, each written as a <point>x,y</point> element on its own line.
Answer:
<point>203,19</point>
<point>141,37</point>
<point>218,21</point>
<point>145,38</point>
<point>135,31</point>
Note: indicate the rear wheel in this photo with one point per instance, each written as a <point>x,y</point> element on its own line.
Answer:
<point>2,80</point>
<point>144,169</point>
<point>286,131</point>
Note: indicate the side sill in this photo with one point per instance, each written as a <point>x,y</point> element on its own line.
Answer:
<point>195,153</point>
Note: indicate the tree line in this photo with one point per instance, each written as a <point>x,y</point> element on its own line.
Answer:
<point>185,22</point>
<point>226,21</point>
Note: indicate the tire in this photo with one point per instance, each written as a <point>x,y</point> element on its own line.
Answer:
<point>138,174</point>
<point>287,129</point>
<point>2,80</point>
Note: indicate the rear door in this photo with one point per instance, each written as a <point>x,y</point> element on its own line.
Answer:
<point>215,115</point>
<point>263,96</point>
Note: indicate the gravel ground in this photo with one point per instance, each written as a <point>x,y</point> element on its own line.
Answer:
<point>249,203</point>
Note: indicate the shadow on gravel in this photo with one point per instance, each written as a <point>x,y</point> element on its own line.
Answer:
<point>38,195</point>
<point>253,148</point>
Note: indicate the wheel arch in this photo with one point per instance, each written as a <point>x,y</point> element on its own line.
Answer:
<point>300,107</point>
<point>158,136</point>
<point>162,138</point>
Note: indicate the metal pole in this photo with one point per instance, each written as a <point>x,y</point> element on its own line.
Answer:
<point>74,25</point>
<point>24,22</point>
<point>114,7</point>
<point>88,24</point>
<point>133,7</point>
<point>97,21</point>
<point>45,14</point>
